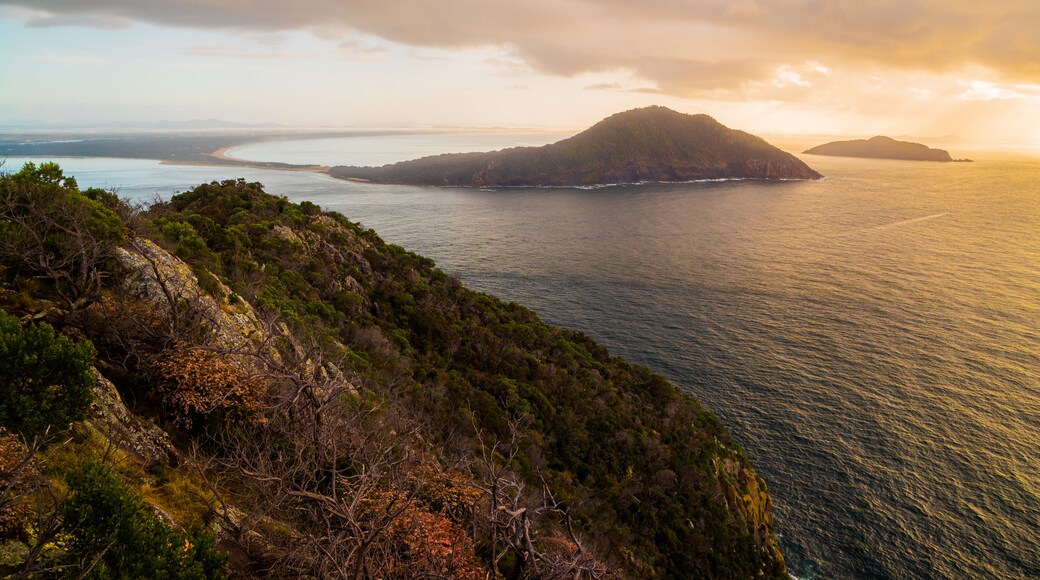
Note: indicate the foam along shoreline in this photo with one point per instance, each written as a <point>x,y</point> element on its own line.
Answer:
<point>581,187</point>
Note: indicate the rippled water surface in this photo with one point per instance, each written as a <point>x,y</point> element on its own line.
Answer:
<point>872,339</point>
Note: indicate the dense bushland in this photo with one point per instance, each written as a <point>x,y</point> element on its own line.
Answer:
<point>45,378</point>
<point>382,420</point>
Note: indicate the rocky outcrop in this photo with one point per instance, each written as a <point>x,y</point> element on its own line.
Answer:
<point>748,500</point>
<point>110,416</point>
<point>315,244</point>
<point>766,169</point>
<point>160,278</point>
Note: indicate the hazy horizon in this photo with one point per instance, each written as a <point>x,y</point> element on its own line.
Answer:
<point>258,132</point>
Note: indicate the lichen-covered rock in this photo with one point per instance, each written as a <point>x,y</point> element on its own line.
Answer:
<point>110,416</point>
<point>350,252</point>
<point>748,500</point>
<point>159,277</point>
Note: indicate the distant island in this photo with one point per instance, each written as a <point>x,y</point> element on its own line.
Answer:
<point>881,147</point>
<point>640,145</point>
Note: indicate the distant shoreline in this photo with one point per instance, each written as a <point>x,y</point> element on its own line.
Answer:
<point>221,159</point>
<point>214,158</point>
<point>192,150</point>
<point>206,149</point>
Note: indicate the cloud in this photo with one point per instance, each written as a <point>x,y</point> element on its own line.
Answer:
<point>236,52</point>
<point>352,49</point>
<point>922,94</point>
<point>977,90</point>
<point>691,77</point>
<point>1028,90</point>
<point>81,20</point>
<point>683,47</point>
<point>604,87</point>
<point>787,77</point>
<point>68,57</point>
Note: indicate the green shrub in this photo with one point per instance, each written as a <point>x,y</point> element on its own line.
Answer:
<point>113,527</point>
<point>189,245</point>
<point>51,230</point>
<point>45,378</point>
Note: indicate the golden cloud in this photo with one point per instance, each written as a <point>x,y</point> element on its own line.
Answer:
<point>683,47</point>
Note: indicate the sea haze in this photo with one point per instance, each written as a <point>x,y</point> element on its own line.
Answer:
<point>872,339</point>
<point>383,149</point>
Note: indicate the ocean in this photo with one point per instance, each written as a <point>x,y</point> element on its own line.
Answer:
<point>871,339</point>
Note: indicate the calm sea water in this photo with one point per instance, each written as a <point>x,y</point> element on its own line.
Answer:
<point>872,339</point>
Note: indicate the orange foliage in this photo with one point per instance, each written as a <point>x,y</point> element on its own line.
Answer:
<point>197,383</point>
<point>427,538</point>
<point>448,491</point>
<point>435,544</point>
<point>16,478</point>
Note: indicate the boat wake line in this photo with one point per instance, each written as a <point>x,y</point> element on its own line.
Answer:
<point>911,221</point>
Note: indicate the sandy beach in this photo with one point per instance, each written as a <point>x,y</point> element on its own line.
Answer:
<point>221,158</point>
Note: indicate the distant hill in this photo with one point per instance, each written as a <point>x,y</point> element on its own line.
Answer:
<point>195,124</point>
<point>882,148</point>
<point>163,125</point>
<point>649,144</point>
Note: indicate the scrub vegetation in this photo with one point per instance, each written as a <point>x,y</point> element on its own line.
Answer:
<point>333,406</point>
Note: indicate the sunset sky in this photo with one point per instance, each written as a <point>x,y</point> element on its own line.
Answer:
<point>927,68</point>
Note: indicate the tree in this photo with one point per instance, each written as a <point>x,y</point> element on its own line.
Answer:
<point>113,534</point>
<point>45,377</point>
<point>512,517</point>
<point>50,229</point>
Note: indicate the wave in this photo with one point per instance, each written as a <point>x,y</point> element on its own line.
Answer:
<point>617,184</point>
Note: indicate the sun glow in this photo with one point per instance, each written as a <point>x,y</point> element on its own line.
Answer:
<point>861,69</point>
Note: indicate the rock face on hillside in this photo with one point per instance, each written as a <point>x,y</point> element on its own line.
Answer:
<point>747,498</point>
<point>882,148</point>
<point>154,272</point>
<point>110,415</point>
<point>650,144</point>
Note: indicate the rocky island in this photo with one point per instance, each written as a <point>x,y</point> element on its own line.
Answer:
<point>881,147</point>
<point>640,145</point>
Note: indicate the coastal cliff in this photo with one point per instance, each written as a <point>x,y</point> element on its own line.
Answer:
<point>649,144</point>
<point>321,401</point>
